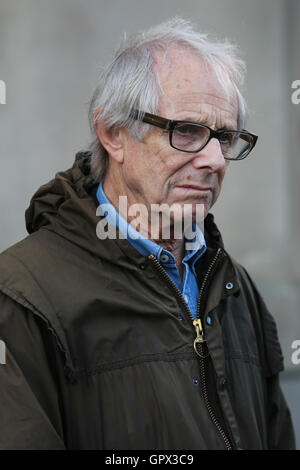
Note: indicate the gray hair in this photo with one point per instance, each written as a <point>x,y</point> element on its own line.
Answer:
<point>130,81</point>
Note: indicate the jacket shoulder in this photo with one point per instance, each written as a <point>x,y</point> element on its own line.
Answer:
<point>24,270</point>
<point>20,266</point>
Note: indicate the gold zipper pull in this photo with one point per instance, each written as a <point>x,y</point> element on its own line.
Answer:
<point>199,330</point>
<point>199,338</point>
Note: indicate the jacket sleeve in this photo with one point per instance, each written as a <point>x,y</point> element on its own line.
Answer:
<point>280,427</point>
<point>279,421</point>
<point>29,403</point>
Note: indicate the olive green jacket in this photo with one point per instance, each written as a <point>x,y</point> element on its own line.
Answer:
<point>100,344</point>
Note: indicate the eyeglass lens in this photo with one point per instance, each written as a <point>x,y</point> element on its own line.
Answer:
<point>192,137</point>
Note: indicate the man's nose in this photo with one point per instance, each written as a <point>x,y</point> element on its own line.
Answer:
<point>210,157</point>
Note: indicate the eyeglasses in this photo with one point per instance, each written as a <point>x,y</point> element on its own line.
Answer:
<point>191,137</point>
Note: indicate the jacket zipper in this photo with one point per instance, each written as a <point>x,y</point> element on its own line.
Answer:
<point>199,344</point>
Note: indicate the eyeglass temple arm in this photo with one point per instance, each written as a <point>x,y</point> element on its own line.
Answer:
<point>151,119</point>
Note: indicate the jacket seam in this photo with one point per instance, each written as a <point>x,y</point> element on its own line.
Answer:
<point>145,358</point>
<point>18,298</point>
<point>245,358</point>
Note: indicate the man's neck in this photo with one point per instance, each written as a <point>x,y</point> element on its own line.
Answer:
<point>144,225</point>
<point>176,247</point>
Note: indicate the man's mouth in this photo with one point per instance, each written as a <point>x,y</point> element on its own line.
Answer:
<point>194,187</point>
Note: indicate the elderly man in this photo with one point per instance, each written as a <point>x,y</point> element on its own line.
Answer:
<point>117,335</point>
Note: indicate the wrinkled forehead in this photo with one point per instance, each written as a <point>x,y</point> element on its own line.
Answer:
<point>183,74</point>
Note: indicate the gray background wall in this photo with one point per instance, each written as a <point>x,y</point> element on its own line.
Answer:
<point>50,56</point>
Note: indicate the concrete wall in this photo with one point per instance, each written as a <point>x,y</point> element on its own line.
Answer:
<point>50,55</point>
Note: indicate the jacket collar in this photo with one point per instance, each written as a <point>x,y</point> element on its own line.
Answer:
<point>67,206</point>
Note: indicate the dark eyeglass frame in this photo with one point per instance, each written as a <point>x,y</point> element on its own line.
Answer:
<point>170,124</point>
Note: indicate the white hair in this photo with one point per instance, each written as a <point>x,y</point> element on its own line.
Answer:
<point>131,82</point>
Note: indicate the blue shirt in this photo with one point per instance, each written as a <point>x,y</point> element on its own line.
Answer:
<point>188,286</point>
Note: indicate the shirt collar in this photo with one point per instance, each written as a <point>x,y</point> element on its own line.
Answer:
<point>144,245</point>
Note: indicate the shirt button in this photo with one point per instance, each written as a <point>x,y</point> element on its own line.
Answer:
<point>208,320</point>
<point>164,258</point>
<point>229,285</point>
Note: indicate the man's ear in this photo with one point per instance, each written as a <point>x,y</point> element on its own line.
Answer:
<point>111,139</point>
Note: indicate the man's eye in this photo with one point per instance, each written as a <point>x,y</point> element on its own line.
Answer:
<point>227,138</point>
<point>184,130</point>
<point>224,137</point>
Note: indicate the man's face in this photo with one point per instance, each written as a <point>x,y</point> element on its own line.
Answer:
<point>153,172</point>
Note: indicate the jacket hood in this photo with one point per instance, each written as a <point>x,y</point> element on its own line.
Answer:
<point>67,206</point>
